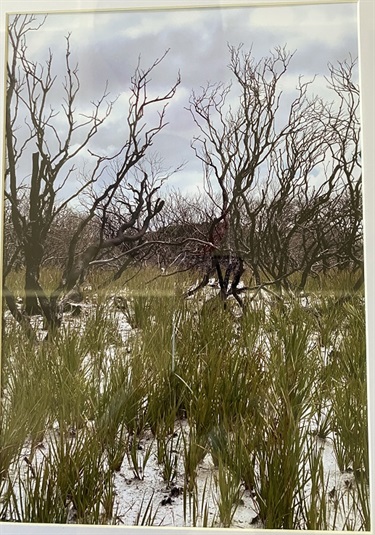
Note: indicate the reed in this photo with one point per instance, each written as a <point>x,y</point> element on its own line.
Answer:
<point>256,393</point>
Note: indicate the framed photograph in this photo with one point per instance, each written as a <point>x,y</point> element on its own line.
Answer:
<point>187,266</point>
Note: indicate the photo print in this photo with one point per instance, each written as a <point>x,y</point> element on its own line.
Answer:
<point>184,329</point>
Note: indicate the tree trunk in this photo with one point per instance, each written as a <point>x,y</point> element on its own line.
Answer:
<point>32,272</point>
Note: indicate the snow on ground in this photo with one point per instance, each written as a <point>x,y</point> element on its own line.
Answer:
<point>169,506</point>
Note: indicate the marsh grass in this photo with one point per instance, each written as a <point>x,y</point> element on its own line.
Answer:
<point>278,443</point>
<point>229,494</point>
<point>315,510</point>
<point>196,512</point>
<point>146,514</point>
<point>49,280</point>
<point>167,453</point>
<point>256,393</point>
<point>349,401</point>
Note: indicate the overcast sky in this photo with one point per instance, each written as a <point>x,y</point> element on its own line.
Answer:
<point>107,46</point>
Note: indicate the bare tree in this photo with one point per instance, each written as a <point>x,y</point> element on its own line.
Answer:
<point>37,140</point>
<point>46,147</point>
<point>234,144</point>
<point>261,157</point>
<point>346,155</point>
<point>316,224</point>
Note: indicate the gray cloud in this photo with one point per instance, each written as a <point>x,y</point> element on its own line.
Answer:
<point>107,47</point>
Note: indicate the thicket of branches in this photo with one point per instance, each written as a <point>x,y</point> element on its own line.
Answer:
<point>282,180</point>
